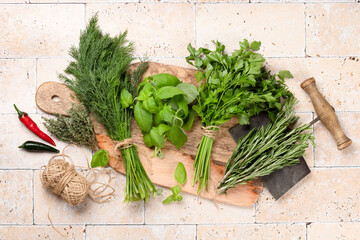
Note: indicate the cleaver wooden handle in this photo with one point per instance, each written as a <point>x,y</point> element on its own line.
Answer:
<point>326,113</point>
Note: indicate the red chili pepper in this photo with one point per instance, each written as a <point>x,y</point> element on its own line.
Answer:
<point>30,124</point>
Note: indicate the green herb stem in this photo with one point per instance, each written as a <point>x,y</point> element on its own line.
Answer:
<point>202,162</point>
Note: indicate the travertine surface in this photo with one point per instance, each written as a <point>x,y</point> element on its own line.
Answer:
<point>311,38</point>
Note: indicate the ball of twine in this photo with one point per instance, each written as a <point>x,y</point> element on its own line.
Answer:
<point>64,181</point>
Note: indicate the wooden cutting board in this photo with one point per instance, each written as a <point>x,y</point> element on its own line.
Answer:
<point>53,97</point>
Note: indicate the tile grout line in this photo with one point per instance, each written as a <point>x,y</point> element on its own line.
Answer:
<point>305,7</point>
<point>196,232</point>
<point>195,30</point>
<point>33,196</point>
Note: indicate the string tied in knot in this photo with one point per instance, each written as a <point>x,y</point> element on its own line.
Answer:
<point>210,131</point>
<point>126,143</point>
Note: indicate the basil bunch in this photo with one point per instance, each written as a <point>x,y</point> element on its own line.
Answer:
<point>162,110</point>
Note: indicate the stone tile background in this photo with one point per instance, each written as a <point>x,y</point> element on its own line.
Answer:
<point>318,38</point>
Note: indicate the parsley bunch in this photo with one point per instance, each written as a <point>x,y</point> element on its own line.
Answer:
<point>232,85</point>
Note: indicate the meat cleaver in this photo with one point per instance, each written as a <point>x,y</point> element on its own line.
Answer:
<point>281,180</point>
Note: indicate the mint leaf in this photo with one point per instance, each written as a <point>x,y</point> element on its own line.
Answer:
<point>190,91</point>
<point>177,136</point>
<point>125,98</point>
<point>100,159</point>
<point>285,74</point>
<point>143,118</point>
<point>180,174</point>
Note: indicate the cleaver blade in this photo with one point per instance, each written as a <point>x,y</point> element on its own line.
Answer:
<point>281,180</point>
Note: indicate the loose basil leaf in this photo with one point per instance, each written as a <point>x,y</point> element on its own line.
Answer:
<point>143,117</point>
<point>189,120</point>
<point>190,91</point>
<point>176,190</point>
<point>148,141</point>
<point>177,136</point>
<point>157,119</point>
<point>156,138</point>
<point>164,79</point>
<point>100,159</point>
<point>168,92</point>
<point>168,200</point>
<point>180,174</point>
<point>178,198</point>
<point>125,98</point>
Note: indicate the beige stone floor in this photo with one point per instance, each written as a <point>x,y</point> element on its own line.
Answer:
<point>308,37</point>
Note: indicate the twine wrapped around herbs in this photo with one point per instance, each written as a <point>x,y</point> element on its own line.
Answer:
<point>210,131</point>
<point>61,177</point>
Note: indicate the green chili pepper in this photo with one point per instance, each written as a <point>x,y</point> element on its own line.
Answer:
<point>37,147</point>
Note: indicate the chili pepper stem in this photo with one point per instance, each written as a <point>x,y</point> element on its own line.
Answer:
<point>18,111</point>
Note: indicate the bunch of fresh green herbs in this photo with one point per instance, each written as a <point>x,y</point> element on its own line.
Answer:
<point>265,150</point>
<point>162,111</point>
<point>102,81</point>
<point>235,85</point>
<point>75,128</point>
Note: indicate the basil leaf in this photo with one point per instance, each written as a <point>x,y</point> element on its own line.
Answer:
<point>100,159</point>
<point>168,200</point>
<point>180,174</point>
<point>166,114</point>
<point>150,105</point>
<point>177,198</point>
<point>146,92</point>
<point>176,190</point>
<point>164,79</point>
<point>143,118</point>
<point>168,92</point>
<point>190,91</point>
<point>156,138</point>
<point>148,141</point>
<point>163,128</point>
<point>179,102</point>
<point>177,136</point>
<point>125,98</point>
<point>189,120</point>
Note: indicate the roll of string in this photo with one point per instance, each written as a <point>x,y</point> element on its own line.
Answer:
<point>61,177</point>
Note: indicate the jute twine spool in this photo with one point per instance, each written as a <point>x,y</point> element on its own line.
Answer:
<point>210,131</point>
<point>61,177</point>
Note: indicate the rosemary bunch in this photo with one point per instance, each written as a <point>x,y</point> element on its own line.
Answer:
<point>100,73</point>
<point>265,150</point>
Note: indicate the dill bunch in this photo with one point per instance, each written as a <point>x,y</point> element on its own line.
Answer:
<point>265,150</point>
<point>75,128</point>
<point>100,71</point>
